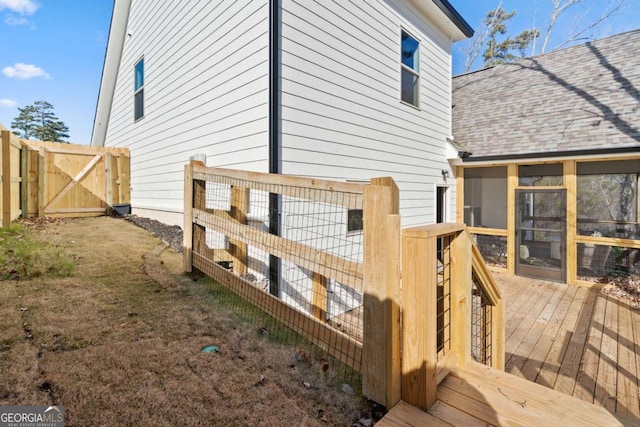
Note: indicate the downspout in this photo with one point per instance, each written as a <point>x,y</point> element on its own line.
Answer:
<point>274,137</point>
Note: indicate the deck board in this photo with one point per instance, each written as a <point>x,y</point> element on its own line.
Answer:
<point>607,372</point>
<point>553,362</point>
<point>627,374</point>
<point>589,347</point>
<point>538,355</point>
<point>585,387</point>
<point>516,362</point>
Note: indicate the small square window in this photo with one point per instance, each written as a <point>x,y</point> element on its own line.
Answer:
<point>355,221</point>
<point>409,69</point>
<point>138,90</point>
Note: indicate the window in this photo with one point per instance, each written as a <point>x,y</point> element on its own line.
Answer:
<point>607,198</point>
<point>485,197</point>
<point>409,69</point>
<point>540,175</point>
<point>138,100</point>
<point>355,221</point>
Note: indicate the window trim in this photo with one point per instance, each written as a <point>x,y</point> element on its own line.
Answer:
<point>138,91</point>
<point>415,73</point>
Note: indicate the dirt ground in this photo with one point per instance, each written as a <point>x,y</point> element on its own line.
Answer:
<point>119,344</point>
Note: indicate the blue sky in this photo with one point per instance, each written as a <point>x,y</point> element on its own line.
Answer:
<point>53,50</point>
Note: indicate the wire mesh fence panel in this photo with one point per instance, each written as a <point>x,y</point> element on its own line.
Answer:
<point>291,247</point>
<point>443,284</point>
<point>481,324</point>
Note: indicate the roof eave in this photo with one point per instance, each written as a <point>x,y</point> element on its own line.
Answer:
<point>603,152</point>
<point>446,16</point>
<point>113,54</point>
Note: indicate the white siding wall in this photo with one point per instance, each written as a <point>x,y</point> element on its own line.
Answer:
<point>206,91</point>
<point>341,112</point>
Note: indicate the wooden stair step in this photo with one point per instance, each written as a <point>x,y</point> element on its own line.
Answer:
<point>515,398</point>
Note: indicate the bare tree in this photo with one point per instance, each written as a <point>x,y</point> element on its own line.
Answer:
<point>589,30</point>
<point>581,30</point>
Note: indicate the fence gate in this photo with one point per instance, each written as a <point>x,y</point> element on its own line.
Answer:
<point>73,181</point>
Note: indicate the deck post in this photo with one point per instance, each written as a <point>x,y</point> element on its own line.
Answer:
<point>513,247</point>
<point>461,257</point>
<point>460,198</point>
<point>419,322</point>
<point>381,346</point>
<point>571,255</point>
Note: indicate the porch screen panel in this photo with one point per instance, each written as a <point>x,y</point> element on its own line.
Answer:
<point>485,197</point>
<point>542,175</point>
<point>607,197</point>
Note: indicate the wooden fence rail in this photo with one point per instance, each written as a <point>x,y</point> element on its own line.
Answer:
<point>314,241</point>
<point>60,180</point>
<point>230,235</point>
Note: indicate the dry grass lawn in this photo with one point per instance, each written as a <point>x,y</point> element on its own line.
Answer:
<point>119,344</point>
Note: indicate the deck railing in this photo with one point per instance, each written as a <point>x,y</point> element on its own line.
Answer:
<point>451,312</point>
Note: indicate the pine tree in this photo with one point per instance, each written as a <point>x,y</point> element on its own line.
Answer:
<point>25,122</point>
<point>38,121</point>
<point>501,52</point>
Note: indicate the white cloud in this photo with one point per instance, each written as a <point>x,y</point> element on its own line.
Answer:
<point>8,103</point>
<point>22,71</point>
<point>25,7</point>
<point>14,21</point>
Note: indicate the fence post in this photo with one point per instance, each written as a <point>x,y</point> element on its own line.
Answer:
<point>24,183</point>
<point>195,197</point>
<point>125,177</point>
<point>108,172</point>
<point>6,178</point>
<point>239,204</point>
<point>319,292</point>
<point>381,350</point>
<point>187,219</point>
<point>42,180</point>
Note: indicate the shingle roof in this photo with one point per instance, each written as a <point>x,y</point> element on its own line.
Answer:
<point>585,97</point>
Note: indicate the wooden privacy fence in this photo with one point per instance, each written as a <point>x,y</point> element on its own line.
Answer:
<point>61,180</point>
<point>324,258</point>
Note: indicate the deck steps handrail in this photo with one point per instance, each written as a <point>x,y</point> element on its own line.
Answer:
<point>444,272</point>
<point>480,268</point>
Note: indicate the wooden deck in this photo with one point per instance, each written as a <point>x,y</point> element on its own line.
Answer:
<point>575,340</point>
